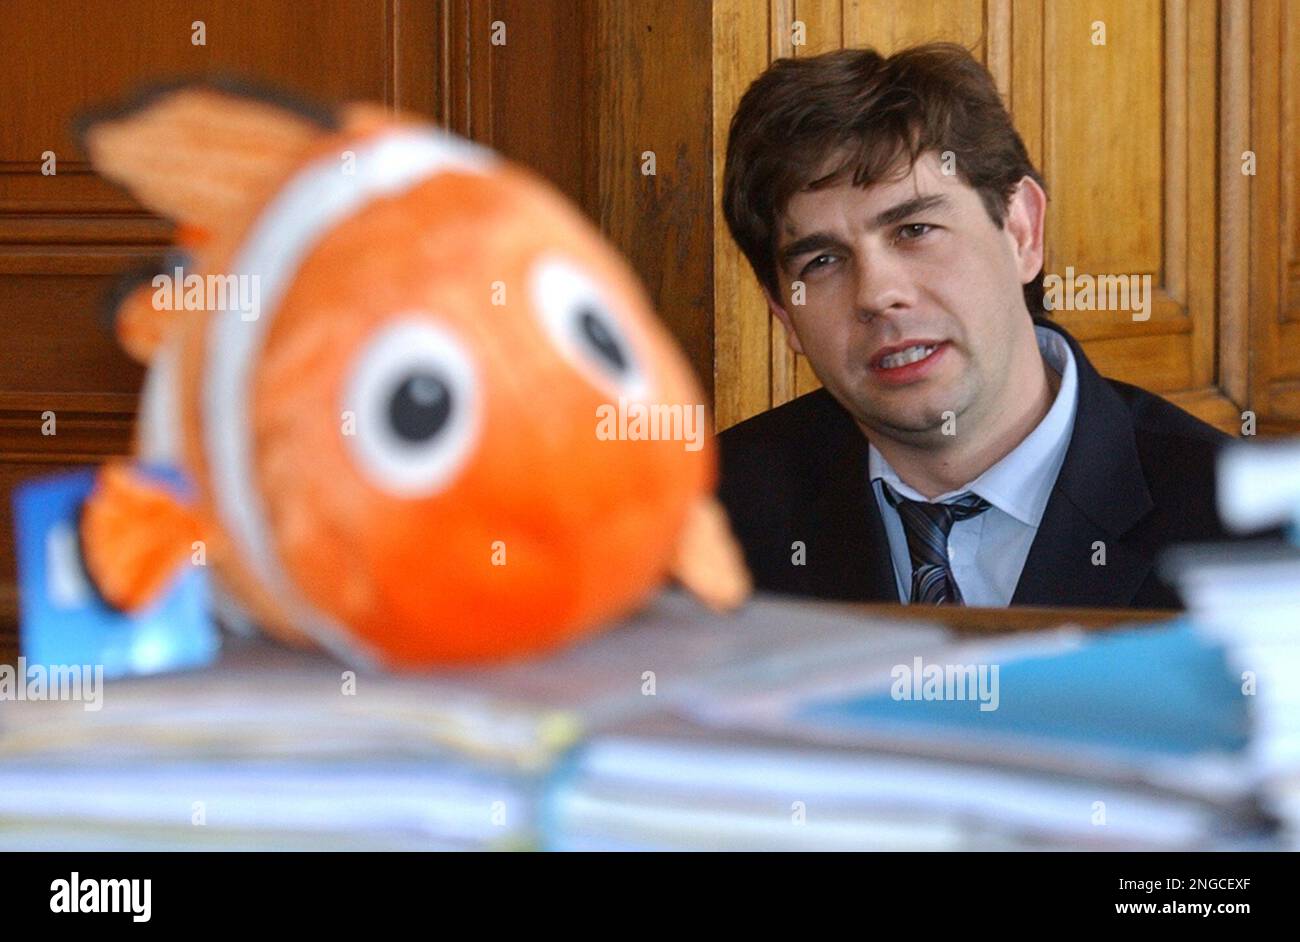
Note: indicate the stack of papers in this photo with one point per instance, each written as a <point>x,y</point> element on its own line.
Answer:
<point>786,725</point>
<point>280,748</point>
<point>1133,740</point>
<point>1249,599</point>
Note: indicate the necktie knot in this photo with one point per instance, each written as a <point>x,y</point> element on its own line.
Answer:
<point>927,526</point>
<point>942,516</point>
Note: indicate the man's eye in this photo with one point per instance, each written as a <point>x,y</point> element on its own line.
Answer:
<point>913,231</point>
<point>819,262</point>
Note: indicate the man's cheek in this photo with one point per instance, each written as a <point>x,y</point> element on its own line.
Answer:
<point>819,315</point>
<point>957,255</point>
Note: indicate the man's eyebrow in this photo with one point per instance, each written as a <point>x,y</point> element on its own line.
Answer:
<point>901,211</point>
<point>817,241</point>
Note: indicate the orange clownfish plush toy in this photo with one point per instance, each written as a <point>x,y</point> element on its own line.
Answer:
<point>386,392</point>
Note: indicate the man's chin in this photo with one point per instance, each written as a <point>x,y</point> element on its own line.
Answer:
<point>918,424</point>
<point>914,415</point>
<point>919,409</point>
<point>914,431</point>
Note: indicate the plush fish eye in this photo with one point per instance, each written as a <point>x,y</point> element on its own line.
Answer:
<point>420,406</point>
<point>414,397</point>
<point>599,339</point>
<point>580,322</point>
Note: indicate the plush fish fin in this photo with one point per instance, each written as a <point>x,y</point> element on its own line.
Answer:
<point>198,154</point>
<point>135,534</point>
<point>708,561</point>
<point>141,327</point>
<point>363,117</point>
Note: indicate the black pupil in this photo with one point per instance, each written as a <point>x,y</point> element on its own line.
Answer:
<point>419,407</point>
<point>597,334</point>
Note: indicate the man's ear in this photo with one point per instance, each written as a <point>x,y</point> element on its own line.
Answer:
<point>781,314</point>
<point>1026,216</point>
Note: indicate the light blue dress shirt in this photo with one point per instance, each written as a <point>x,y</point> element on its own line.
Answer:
<point>988,552</point>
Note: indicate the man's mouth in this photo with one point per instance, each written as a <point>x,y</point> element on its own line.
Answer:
<point>910,355</point>
<point>904,354</point>
<point>908,362</point>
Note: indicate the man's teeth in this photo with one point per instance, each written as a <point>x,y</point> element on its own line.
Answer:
<point>904,357</point>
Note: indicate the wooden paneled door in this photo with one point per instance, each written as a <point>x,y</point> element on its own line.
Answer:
<point>1142,116</point>
<point>1268,111</point>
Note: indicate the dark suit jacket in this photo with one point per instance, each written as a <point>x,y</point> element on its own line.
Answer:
<point>1138,477</point>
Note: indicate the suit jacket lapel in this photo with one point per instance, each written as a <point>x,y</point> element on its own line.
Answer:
<point>1099,495</point>
<point>848,551</point>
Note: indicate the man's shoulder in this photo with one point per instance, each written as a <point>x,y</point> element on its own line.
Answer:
<point>775,463</point>
<point>1163,429</point>
<point>1160,426</point>
<point>788,428</point>
<point>1178,456</point>
<point>790,476</point>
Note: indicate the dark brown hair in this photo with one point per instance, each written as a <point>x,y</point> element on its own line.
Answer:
<point>876,111</point>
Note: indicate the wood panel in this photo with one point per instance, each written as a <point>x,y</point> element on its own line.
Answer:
<point>1274,260</point>
<point>888,27</point>
<point>742,326</point>
<point>1136,185</point>
<point>578,92</point>
<point>648,91</point>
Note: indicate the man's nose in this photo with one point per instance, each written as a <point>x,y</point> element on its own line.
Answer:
<point>883,284</point>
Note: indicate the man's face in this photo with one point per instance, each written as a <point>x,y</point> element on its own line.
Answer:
<point>913,304</point>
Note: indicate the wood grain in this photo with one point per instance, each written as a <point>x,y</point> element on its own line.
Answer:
<point>742,325</point>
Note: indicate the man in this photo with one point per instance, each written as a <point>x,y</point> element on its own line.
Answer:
<point>963,450</point>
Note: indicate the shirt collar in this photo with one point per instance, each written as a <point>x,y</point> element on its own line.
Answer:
<point>1021,482</point>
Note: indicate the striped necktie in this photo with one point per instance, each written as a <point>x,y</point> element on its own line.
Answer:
<point>927,527</point>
